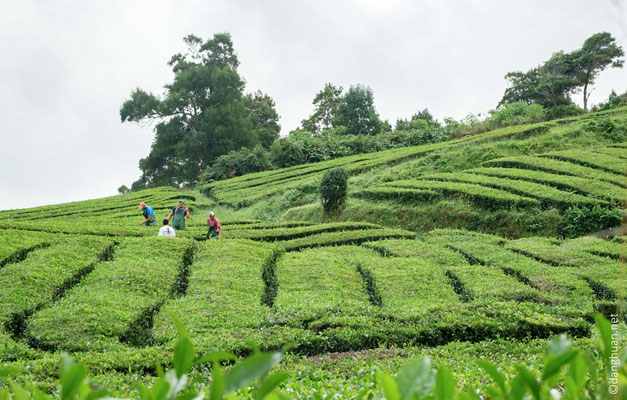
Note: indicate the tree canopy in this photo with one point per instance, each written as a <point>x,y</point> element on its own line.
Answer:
<point>202,114</point>
<point>325,104</point>
<point>357,113</point>
<point>551,83</point>
<point>598,52</point>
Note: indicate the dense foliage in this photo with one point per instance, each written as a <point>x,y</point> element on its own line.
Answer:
<point>333,190</point>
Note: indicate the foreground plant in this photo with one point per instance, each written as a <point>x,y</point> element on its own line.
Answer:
<point>568,373</point>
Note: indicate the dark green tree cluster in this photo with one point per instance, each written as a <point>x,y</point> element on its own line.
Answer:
<point>333,190</point>
<point>420,120</point>
<point>551,83</point>
<point>202,114</point>
<point>351,113</point>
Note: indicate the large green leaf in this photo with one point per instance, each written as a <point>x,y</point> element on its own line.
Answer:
<point>415,378</point>
<point>184,355</point>
<point>389,386</point>
<point>269,384</point>
<point>251,368</point>
<point>445,385</point>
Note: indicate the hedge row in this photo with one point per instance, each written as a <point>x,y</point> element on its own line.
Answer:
<point>553,285</point>
<point>15,244</point>
<point>345,238</point>
<point>584,186</point>
<point>613,151</point>
<point>223,296</point>
<point>483,196</point>
<point>556,166</point>
<point>403,195</point>
<point>552,253</point>
<point>594,245</point>
<point>605,162</point>
<point>603,274</point>
<point>111,299</point>
<point>474,282</point>
<point>45,275</point>
<point>106,203</point>
<point>288,233</point>
<point>547,195</point>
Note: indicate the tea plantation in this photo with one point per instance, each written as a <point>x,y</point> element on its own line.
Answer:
<point>390,277</point>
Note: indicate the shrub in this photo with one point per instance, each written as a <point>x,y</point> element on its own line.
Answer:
<point>516,113</point>
<point>607,126</point>
<point>238,163</point>
<point>613,101</point>
<point>565,110</point>
<point>333,189</point>
<point>581,220</point>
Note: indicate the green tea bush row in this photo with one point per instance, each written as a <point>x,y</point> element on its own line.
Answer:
<point>44,275</point>
<point>487,197</point>
<point>345,238</point>
<point>402,195</point>
<point>583,186</point>
<point>96,312</point>
<point>556,166</point>
<point>547,195</point>
<point>567,372</point>
<point>553,285</point>
<point>481,282</point>
<point>604,162</point>
<point>15,245</point>
<point>593,245</point>
<point>223,297</point>
<point>299,231</point>
<point>242,191</point>
<point>106,203</point>
<point>612,151</point>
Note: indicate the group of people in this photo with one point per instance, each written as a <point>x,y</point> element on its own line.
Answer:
<point>178,215</point>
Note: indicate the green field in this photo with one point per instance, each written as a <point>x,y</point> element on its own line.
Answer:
<point>436,253</point>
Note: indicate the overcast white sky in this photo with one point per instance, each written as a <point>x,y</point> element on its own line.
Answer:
<point>67,66</point>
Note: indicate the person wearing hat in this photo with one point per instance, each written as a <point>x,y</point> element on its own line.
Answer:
<point>149,214</point>
<point>215,229</point>
<point>178,215</point>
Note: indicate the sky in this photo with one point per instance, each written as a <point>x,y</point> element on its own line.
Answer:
<point>67,67</point>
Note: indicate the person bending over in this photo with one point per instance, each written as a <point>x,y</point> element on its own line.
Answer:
<point>149,214</point>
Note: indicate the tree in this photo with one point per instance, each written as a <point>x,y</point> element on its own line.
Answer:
<point>123,189</point>
<point>264,117</point>
<point>598,52</point>
<point>325,104</point>
<point>420,120</point>
<point>357,113</point>
<point>425,115</point>
<point>549,84</point>
<point>201,115</point>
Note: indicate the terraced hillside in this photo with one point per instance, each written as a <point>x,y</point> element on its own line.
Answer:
<point>540,183</point>
<point>346,295</point>
<point>245,190</point>
<point>106,296</point>
<point>558,179</point>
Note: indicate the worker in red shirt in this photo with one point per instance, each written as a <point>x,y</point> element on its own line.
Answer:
<point>215,229</point>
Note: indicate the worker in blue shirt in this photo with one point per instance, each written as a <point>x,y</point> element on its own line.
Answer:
<point>149,214</point>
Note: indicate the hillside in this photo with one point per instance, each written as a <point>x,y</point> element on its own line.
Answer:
<point>427,195</point>
<point>391,277</point>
